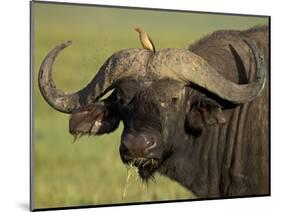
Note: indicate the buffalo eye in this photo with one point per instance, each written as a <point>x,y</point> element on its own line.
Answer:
<point>118,93</point>
<point>174,100</point>
<point>120,96</point>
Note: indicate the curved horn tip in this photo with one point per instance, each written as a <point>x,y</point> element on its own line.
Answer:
<point>67,43</point>
<point>252,45</point>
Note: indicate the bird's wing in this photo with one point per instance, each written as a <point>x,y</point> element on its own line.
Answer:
<point>151,43</point>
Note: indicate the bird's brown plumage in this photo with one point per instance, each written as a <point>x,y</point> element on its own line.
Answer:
<point>145,40</point>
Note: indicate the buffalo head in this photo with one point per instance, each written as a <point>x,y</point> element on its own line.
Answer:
<point>152,93</point>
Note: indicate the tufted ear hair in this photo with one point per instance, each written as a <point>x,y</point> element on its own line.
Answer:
<point>95,119</point>
<point>202,111</point>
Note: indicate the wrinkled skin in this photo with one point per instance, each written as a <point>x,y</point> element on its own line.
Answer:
<point>237,157</point>
<point>209,145</point>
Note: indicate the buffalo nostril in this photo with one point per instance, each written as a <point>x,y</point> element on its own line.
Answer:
<point>152,146</point>
<point>149,144</point>
<point>138,145</point>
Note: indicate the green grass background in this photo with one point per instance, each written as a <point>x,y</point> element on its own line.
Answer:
<point>90,171</point>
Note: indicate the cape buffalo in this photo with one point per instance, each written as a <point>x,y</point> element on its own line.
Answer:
<point>197,115</point>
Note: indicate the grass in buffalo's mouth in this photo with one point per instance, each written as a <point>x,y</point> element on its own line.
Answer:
<point>152,162</point>
<point>130,169</point>
<point>133,166</point>
<point>143,162</point>
<point>78,135</point>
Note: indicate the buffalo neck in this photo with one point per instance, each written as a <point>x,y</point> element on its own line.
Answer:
<point>196,161</point>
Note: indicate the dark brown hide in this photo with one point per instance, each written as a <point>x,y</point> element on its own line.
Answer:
<point>233,157</point>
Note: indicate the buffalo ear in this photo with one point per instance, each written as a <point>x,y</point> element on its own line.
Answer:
<point>94,119</point>
<point>203,111</point>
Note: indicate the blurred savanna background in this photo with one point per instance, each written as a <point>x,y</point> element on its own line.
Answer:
<point>90,171</point>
